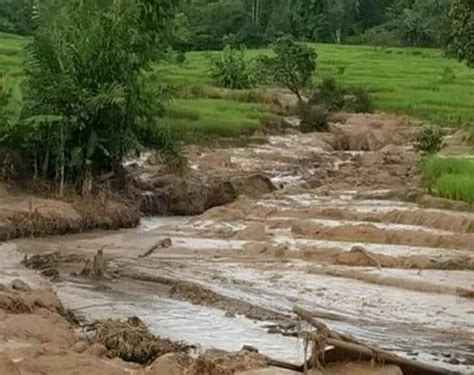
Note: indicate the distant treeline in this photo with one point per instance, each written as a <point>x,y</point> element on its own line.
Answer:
<point>211,24</point>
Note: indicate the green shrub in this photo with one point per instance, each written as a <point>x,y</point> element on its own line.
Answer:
<point>429,140</point>
<point>329,94</point>
<point>231,70</point>
<point>335,97</point>
<point>314,118</point>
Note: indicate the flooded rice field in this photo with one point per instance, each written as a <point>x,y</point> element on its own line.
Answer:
<point>332,239</point>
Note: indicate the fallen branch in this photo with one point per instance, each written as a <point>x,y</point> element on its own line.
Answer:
<point>166,243</point>
<point>347,348</point>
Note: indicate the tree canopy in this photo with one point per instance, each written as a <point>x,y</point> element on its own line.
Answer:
<point>211,24</point>
<point>461,43</point>
<point>87,103</point>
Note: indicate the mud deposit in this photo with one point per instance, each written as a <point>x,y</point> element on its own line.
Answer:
<point>333,239</point>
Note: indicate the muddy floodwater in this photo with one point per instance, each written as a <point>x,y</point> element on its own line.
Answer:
<point>331,239</point>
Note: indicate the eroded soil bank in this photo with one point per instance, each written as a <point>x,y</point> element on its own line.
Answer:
<point>337,237</point>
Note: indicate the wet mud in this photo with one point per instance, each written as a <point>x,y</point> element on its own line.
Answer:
<point>335,238</point>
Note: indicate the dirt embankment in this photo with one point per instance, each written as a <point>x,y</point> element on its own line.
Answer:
<point>23,215</point>
<point>36,338</point>
<point>373,234</point>
<point>194,193</point>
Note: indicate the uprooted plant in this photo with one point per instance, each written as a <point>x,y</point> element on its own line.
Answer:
<point>87,103</point>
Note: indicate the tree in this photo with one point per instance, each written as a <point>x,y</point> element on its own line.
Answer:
<point>293,65</point>
<point>87,102</point>
<point>461,43</point>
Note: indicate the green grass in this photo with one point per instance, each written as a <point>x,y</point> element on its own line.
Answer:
<point>402,80</point>
<point>451,178</point>
<point>215,117</point>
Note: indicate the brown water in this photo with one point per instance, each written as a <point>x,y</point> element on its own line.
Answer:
<point>291,247</point>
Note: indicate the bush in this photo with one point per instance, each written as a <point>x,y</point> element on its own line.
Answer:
<point>314,118</point>
<point>429,140</point>
<point>334,97</point>
<point>231,70</point>
<point>329,94</point>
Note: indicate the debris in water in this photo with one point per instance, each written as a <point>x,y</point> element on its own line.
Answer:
<point>131,341</point>
<point>166,243</point>
<point>97,267</point>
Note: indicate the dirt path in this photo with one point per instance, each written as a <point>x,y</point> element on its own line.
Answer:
<point>333,239</point>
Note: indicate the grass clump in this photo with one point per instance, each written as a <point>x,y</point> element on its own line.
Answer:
<point>451,178</point>
<point>456,187</point>
<point>219,117</point>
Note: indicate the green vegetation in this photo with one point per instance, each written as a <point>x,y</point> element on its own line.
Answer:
<point>293,66</point>
<point>408,81</point>
<point>400,80</point>
<point>15,16</point>
<point>87,102</point>
<point>330,94</point>
<point>215,117</point>
<point>461,43</point>
<point>210,24</point>
<point>429,141</point>
<point>231,69</point>
<point>451,178</point>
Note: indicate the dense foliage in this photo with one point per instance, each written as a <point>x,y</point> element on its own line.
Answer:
<point>15,16</point>
<point>429,141</point>
<point>231,69</point>
<point>211,24</point>
<point>461,44</point>
<point>87,104</point>
<point>293,65</point>
<point>334,97</point>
